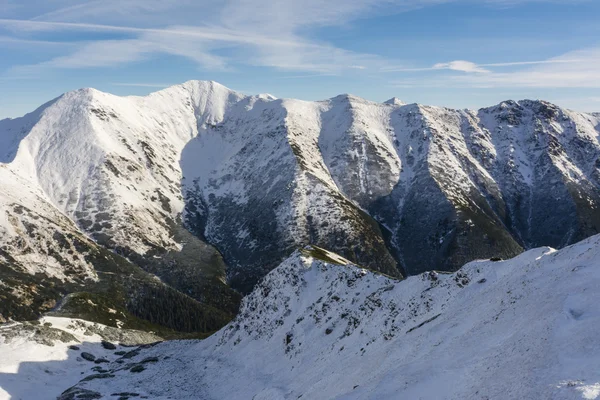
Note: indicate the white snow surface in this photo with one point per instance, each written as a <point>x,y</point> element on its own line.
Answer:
<point>30,370</point>
<point>526,328</point>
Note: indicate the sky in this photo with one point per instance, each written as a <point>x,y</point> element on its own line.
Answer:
<point>453,53</point>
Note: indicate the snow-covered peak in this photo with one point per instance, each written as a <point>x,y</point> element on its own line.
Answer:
<point>266,96</point>
<point>349,98</point>
<point>91,153</point>
<point>394,101</point>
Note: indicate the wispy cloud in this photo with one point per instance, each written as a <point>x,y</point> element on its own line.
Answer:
<point>104,8</point>
<point>197,43</point>
<point>260,33</point>
<point>8,40</point>
<point>200,33</point>
<point>232,32</point>
<point>461,65</point>
<point>468,66</point>
<point>521,63</point>
<point>577,69</point>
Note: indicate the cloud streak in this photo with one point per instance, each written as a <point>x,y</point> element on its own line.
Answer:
<point>8,40</point>
<point>234,32</point>
<point>468,66</point>
<point>198,43</point>
<point>261,33</point>
<point>577,69</point>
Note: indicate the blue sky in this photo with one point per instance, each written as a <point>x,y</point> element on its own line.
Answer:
<point>455,53</point>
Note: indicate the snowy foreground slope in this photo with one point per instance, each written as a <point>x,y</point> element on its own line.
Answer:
<point>526,328</point>
<point>39,360</point>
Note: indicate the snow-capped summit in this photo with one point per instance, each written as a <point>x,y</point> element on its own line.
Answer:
<point>394,101</point>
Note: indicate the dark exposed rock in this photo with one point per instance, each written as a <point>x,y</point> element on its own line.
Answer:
<point>137,368</point>
<point>131,354</point>
<point>97,376</point>
<point>108,345</point>
<point>79,394</point>
<point>88,356</point>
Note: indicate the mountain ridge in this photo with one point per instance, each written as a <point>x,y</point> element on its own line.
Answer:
<point>399,188</point>
<point>520,328</point>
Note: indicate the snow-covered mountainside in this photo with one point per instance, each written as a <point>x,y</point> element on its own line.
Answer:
<point>318,327</point>
<point>397,188</point>
<point>444,186</point>
<point>48,264</point>
<point>90,165</point>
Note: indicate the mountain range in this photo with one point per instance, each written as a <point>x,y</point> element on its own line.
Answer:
<point>160,212</point>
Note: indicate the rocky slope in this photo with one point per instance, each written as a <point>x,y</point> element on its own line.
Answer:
<point>319,327</point>
<point>397,188</point>
<point>437,187</point>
